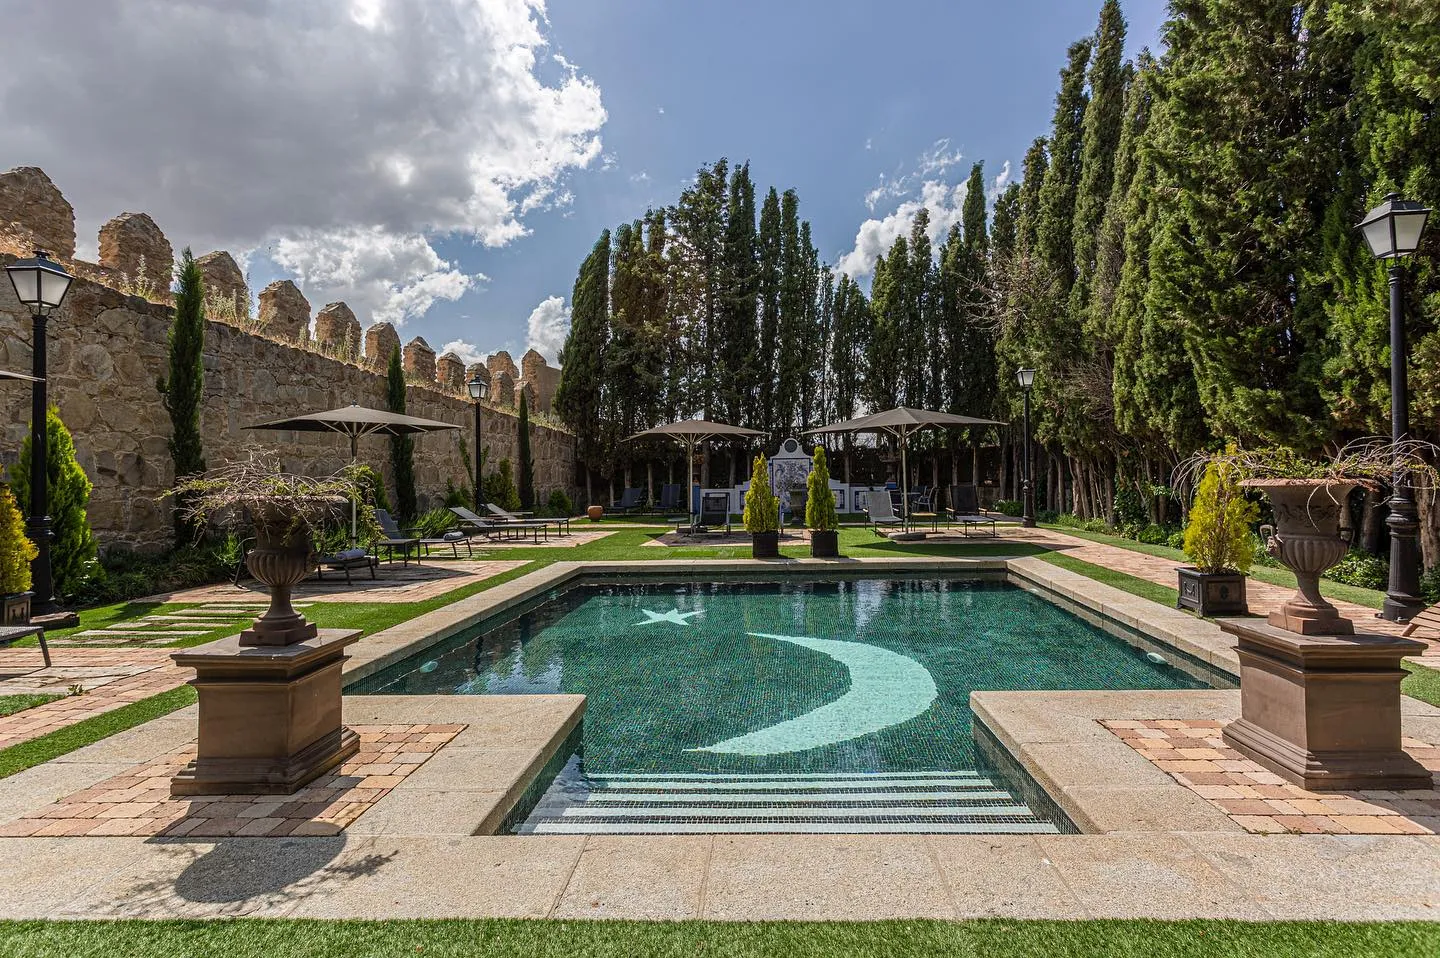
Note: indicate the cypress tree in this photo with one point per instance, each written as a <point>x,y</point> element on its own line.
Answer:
<point>1100,140</point>
<point>72,550</point>
<point>889,306</point>
<point>1233,141</point>
<point>183,388</point>
<point>527,462</point>
<point>791,368</point>
<point>737,350</point>
<point>402,448</point>
<point>1055,226</point>
<point>769,270</point>
<point>579,394</point>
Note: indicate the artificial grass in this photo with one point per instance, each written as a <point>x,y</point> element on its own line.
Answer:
<point>10,704</point>
<point>1422,683</point>
<point>25,755</point>
<point>511,938</point>
<point>1370,598</point>
<point>119,613</point>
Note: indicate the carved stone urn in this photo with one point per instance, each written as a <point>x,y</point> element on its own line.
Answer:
<point>1307,542</point>
<point>283,556</point>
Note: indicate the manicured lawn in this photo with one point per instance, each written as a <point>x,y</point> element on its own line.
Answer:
<point>1370,598</point>
<point>1422,683</point>
<point>10,704</point>
<point>1120,580</point>
<point>17,758</point>
<point>990,938</point>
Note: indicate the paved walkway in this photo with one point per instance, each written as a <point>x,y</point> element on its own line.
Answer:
<point>1262,597</point>
<point>111,678</point>
<point>394,582</point>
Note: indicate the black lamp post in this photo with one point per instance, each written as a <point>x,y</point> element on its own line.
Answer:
<point>1026,379</point>
<point>1393,230</point>
<point>479,390</point>
<point>41,285</point>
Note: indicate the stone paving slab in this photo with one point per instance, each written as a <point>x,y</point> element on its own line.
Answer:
<point>111,678</point>
<point>395,582</point>
<point>138,801</point>
<point>1195,755</point>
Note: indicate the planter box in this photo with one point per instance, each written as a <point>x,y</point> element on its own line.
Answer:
<point>825,545</point>
<point>1211,593</point>
<point>765,545</point>
<point>15,608</point>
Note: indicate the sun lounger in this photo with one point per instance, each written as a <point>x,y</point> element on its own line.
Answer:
<point>392,538</point>
<point>478,525</point>
<point>882,512</point>
<point>345,561</point>
<point>562,524</point>
<point>14,633</point>
<point>965,509</point>
<point>631,500</point>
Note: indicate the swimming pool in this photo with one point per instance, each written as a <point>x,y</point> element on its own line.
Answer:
<point>756,706</point>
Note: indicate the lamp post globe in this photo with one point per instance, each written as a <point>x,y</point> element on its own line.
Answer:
<point>1025,377</point>
<point>1393,230</point>
<point>479,390</point>
<point>41,286</point>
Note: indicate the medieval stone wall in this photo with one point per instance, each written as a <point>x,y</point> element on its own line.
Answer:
<point>106,352</point>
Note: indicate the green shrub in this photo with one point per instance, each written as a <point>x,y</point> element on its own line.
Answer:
<point>72,550</point>
<point>560,505</point>
<point>434,524</point>
<point>16,551</point>
<point>1217,538</point>
<point>122,575</point>
<point>1361,569</point>
<point>500,487</point>
<point>1048,516</point>
<point>819,500</point>
<point>1129,509</point>
<point>1153,535</point>
<point>1009,507</point>
<point>1175,540</point>
<point>374,486</point>
<point>762,506</point>
<point>458,497</point>
<point>1430,585</point>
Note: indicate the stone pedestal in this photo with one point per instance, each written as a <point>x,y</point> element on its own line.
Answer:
<point>269,715</point>
<point>1323,711</point>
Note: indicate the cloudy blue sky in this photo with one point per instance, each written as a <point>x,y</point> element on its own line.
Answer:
<point>446,164</point>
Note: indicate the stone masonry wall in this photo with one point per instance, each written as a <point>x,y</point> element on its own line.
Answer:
<point>106,351</point>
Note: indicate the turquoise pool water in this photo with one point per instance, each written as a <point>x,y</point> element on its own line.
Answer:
<point>772,679</point>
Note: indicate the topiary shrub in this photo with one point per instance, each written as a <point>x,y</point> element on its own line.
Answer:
<point>72,550</point>
<point>1217,538</point>
<point>16,551</point>
<point>762,506</point>
<point>819,500</point>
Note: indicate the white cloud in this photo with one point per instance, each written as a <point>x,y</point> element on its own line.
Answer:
<point>548,326</point>
<point>343,136</point>
<point>876,236</point>
<point>1002,180</point>
<point>932,164</point>
<point>363,261</point>
<point>468,352</point>
<point>641,177</point>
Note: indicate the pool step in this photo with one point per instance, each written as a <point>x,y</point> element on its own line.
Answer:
<point>920,802</point>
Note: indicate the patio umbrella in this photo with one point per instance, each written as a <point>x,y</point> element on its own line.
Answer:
<point>356,421</point>
<point>900,422</point>
<point>7,374</point>
<point>690,433</point>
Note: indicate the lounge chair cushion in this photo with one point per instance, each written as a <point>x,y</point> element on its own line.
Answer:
<point>348,555</point>
<point>454,535</point>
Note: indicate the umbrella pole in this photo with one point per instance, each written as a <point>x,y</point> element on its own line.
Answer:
<point>904,483</point>
<point>354,461</point>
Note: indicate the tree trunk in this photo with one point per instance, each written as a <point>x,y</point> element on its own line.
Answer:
<point>1004,487</point>
<point>1429,524</point>
<point>589,487</point>
<point>650,479</point>
<point>1370,525</point>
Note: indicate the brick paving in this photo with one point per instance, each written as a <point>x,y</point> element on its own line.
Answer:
<point>1193,753</point>
<point>1262,597</point>
<point>111,678</point>
<point>138,802</point>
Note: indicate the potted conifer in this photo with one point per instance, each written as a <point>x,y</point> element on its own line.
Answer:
<point>820,513</point>
<point>16,552</point>
<point>762,513</point>
<point>1217,541</point>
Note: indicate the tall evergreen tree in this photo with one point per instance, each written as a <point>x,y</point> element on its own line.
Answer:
<point>737,351</point>
<point>527,460</point>
<point>770,272</point>
<point>183,388</point>
<point>1055,227</point>
<point>402,448</point>
<point>1100,140</point>
<point>579,397</point>
<point>72,546</point>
